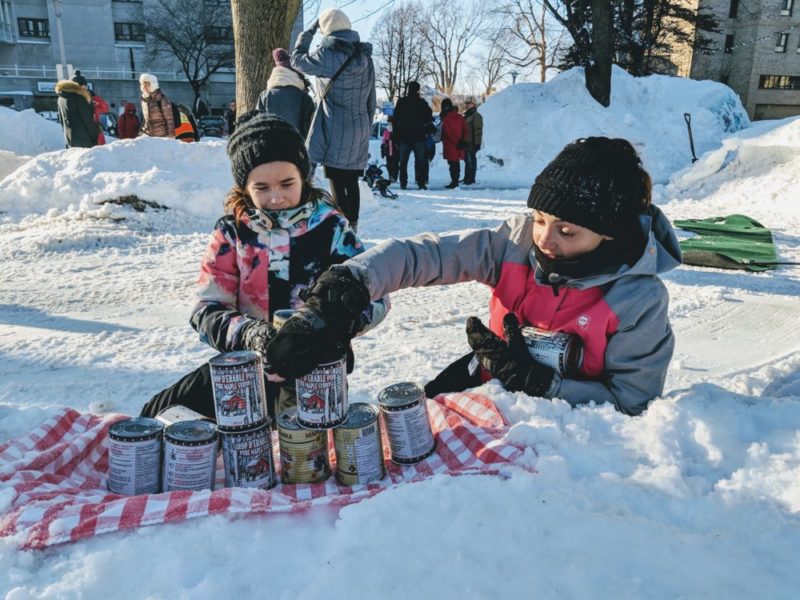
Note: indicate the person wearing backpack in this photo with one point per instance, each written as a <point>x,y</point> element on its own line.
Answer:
<point>340,129</point>
<point>455,137</point>
<point>287,94</point>
<point>157,115</point>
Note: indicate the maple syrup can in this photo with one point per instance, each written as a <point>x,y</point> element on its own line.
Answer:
<point>280,316</point>
<point>405,420</point>
<point>177,413</point>
<point>240,398</point>
<point>560,351</point>
<point>134,456</point>
<point>247,456</point>
<point>304,452</point>
<point>322,396</point>
<point>190,455</point>
<point>359,454</point>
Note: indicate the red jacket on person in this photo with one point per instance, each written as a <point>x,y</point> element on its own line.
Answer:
<point>100,107</point>
<point>454,130</point>
<point>128,123</point>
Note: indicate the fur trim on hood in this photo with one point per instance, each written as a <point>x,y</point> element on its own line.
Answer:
<point>70,87</point>
<point>282,77</point>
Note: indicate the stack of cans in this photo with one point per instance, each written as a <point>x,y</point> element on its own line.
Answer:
<point>240,403</point>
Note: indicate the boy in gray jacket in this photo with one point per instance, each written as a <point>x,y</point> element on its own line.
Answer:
<point>585,262</point>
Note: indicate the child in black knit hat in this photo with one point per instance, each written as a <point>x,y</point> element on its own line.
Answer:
<point>278,234</point>
<point>584,263</point>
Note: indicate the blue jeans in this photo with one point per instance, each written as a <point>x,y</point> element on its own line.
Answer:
<point>470,166</point>
<point>420,162</point>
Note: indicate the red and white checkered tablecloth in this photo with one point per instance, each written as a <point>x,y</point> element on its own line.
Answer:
<point>55,477</point>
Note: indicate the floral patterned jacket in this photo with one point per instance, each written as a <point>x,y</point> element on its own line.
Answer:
<point>261,265</point>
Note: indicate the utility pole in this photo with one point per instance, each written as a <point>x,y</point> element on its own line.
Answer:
<point>57,5</point>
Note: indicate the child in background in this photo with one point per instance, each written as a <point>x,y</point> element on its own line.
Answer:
<point>585,262</point>
<point>276,237</point>
<point>454,140</point>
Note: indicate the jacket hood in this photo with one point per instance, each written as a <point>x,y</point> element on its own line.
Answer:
<point>346,40</point>
<point>283,76</point>
<point>130,108</point>
<point>661,254</point>
<point>70,87</point>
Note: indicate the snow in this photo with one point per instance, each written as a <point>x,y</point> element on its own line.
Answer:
<point>26,132</point>
<point>699,497</point>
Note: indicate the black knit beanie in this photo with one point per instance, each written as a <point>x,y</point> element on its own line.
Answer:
<point>261,138</point>
<point>595,182</point>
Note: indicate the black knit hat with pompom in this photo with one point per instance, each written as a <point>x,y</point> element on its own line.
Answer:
<point>595,182</point>
<point>261,138</point>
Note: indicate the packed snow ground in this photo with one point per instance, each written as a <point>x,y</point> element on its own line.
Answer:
<point>699,497</point>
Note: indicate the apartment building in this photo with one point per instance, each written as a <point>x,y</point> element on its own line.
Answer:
<point>106,40</point>
<point>757,54</point>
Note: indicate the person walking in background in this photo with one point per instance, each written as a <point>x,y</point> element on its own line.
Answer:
<point>389,150</point>
<point>412,116</point>
<point>128,123</point>
<point>76,113</point>
<point>157,116</point>
<point>287,94</point>
<point>340,129</point>
<point>455,136</point>
<point>230,117</point>
<point>475,139</point>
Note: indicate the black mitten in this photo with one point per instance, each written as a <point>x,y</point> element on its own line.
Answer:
<point>339,298</point>
<point>256,336</point>
<point>509,361</point>
<point>322,329</point>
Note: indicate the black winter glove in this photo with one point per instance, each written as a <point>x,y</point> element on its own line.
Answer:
<point>323,328</point>
<point>257,335</point>
<point>509,361</point>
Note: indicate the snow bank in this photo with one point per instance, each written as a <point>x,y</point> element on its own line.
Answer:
<point>27,132</point>
<point>9,162</point>
<point>526,125</point>
<point>190,177</point>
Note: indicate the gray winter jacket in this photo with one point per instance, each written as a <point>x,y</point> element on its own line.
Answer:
<point>340,130</point>
<point>621,317</point>
<point>289,103</point>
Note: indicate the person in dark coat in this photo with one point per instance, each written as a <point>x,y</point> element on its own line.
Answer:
<point>230,117</point>
<point>412,116</point>
<point>340,129</point>
<point>75,112</point>
<point>455,137</point>
<point>128,123</point>
<point>286,95</point>
<point>475,139</point>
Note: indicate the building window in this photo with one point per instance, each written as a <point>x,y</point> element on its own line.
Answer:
<point>129,32</point>
<point>786,7</point>
<point>778,82</point>
<point>34,28</point>
<point>781,39</point>
<point>729,44</point>
<point>219,35</point>
<point>733,9</point>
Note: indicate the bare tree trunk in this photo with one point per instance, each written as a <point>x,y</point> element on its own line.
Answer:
<point>259,26</point>
<point>598,72</point>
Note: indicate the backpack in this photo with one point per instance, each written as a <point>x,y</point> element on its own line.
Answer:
<point>434,130</point>
<point>185,125</point>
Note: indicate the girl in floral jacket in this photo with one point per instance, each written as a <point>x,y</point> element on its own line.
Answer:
<point>277,236</point>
